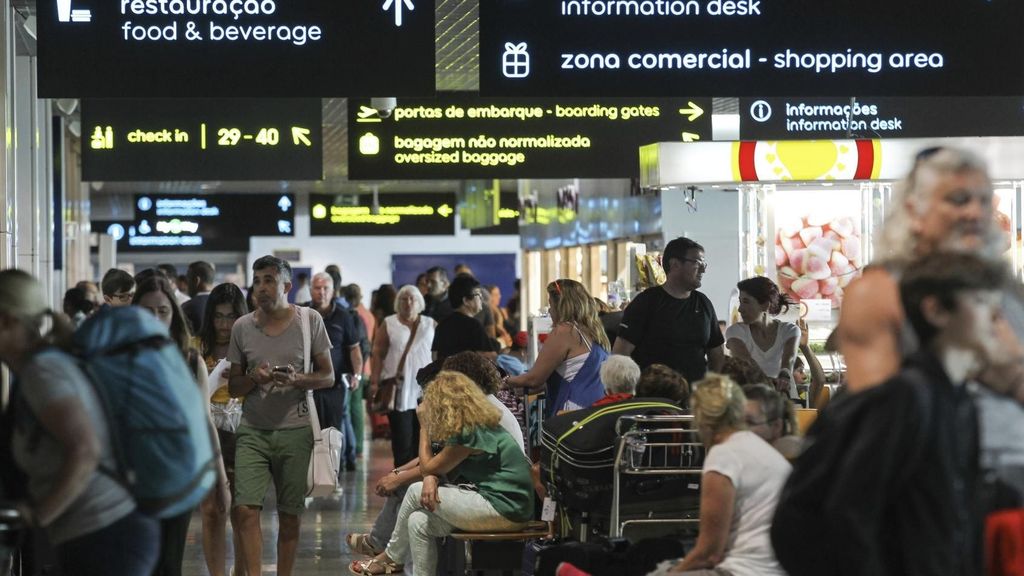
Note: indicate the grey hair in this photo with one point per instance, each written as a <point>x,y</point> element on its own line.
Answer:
<point>322,276</point>
<point>620,374</point>
<point>418,304</point>
<point>897,241</point>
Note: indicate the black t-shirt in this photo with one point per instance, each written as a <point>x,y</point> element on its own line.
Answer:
<point>438,308</point>
<point>676,332</point>
<point>459,333</point>
<point>344,334</point>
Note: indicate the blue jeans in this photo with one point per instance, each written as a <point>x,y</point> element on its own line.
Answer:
<point>128,547</point>
<point>349,455</point>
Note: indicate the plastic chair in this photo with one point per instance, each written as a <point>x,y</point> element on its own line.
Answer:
<point>804,418</point>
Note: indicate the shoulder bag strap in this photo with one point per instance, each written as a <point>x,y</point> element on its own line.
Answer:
<point>412,336</point>
<point>314,418</point>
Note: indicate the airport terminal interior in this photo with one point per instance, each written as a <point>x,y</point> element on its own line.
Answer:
<point>552,288</point>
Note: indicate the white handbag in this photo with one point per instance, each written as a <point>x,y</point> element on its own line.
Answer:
<point>325,461</point>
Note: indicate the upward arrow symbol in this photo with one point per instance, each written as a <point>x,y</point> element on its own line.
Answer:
<point>398,8</point>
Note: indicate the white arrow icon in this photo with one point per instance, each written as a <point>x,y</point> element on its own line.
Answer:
<point>398,8</point>
<point>284,227</point>
<point>284,203</point>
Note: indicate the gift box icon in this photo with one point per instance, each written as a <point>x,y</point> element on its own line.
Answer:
<point>515,62</point>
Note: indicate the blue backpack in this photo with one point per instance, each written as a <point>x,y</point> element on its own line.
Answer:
<point>154,410</point>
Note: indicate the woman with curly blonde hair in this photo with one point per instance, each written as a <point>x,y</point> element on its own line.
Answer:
<point>493,490</point>
<point>570,361</point>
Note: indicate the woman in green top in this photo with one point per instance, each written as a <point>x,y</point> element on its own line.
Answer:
<point>491,490</point>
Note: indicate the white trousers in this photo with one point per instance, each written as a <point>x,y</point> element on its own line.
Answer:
<point>417,528</point>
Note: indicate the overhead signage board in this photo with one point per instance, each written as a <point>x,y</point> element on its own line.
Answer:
<point>399,214</point>
<point>201,223</point>
<point>202,139</point>
<point>751,48</point>
<point>828,118</point>
<point>459,135</point>
<point>508,218</point>
<point>235,48</point>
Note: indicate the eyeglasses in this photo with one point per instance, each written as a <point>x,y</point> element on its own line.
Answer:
<point>701,264</point>
<point>123,297</point>
<point>224,317</point>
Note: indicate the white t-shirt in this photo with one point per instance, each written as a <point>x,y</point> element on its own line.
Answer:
<point>758,472</point>
<point>769,360</point>
<point>508,421</point>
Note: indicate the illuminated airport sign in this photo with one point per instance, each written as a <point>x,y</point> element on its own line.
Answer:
<point>508,217</point>
<point>235,48</point>
<point>828,118</point>
<point>202,139</point>
<point>400,214</point>
<point>459,135</point>
<point>751,48</point>
<point>201,223</point>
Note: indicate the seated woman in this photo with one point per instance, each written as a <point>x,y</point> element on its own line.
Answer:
<point>770,343</point>
<point>660,381</point>
<point>770,415</point>
<point>572,355</point>
<point>619,375</point>
<point>461,368</point>
<point>742,479</point>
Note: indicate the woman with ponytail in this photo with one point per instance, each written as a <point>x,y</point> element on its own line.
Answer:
<point>768,342</point>
<point>61,442</point>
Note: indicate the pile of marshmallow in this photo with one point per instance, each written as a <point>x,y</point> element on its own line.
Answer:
<point>816,257</point>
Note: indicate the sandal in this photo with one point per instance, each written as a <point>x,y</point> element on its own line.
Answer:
<point>360,544</point>
<point>362,567</point>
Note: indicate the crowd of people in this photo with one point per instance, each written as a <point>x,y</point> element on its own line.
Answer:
<point>931,418</point>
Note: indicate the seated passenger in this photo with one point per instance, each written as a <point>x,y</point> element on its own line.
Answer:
<point>744,371</point>
<point>743,476</point>
<point>619,375</point>
<point>660,381</point>
<point>477,451</point>
<point>770,415</point>
<point>394,484</point>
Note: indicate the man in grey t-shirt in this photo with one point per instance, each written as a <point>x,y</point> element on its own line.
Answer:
<point>274,440</point>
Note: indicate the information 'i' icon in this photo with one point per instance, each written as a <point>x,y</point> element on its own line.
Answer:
<point>515,62</point>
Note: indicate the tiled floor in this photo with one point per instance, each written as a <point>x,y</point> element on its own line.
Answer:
<point>322,548</point>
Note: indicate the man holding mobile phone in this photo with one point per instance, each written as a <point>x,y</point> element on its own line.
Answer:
<point>274,440</point>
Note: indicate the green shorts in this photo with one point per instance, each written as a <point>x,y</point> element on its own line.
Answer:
<point>278,455</point>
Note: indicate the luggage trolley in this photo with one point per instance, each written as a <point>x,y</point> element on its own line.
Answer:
<point>651,447</point>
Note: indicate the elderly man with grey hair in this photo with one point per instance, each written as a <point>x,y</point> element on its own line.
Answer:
<point>944,204</point>
<point>619,375</point>
<point>347,359</point>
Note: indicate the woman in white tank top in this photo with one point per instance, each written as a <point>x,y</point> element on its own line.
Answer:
<point>769,343</point>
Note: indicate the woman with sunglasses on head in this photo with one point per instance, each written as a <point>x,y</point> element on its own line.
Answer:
<point>569,362</point>
<point>768,342</point>
<point>156,294</point>
<point>225,304</point>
